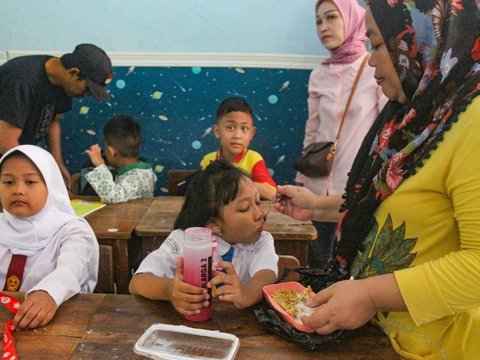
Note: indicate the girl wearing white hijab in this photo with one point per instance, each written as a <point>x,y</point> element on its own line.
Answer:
<point>45,249</point>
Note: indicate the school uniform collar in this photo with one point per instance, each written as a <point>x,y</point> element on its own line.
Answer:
<point>139,165</point>
<point>223,247</point>
<point>235,160</point>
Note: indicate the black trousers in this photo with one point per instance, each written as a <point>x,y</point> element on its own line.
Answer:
<point>320,249</point>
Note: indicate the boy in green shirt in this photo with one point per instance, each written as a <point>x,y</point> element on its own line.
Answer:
<point>135,178</point>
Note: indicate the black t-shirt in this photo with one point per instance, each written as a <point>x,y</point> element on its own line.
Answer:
<point>28,99</point>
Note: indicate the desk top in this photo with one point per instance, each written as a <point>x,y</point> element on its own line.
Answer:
<point>118,220</point>
<point>160,217</point>
<point>106,326</point>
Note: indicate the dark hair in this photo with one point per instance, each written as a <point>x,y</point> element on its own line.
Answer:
<point>210,190</point>
<point>68,62</point>
<point>231,104</point>
<point>123,133</point>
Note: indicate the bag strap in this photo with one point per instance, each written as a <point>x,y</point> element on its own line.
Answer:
<point>354,86</point>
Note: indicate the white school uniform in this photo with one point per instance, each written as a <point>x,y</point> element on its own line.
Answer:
<point>61,248</point>
<point>247,258</point>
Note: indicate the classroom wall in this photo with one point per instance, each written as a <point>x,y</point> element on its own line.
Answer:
<point>246,26</point>
<point>174,61</point>
<point>176,107</point>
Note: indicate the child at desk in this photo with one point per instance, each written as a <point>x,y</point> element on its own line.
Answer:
<point>235,130</point>
<point>224,199</point>
<point>45,249</point>
<point>135,178</point>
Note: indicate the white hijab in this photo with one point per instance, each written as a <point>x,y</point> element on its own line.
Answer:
<point>28,235</point>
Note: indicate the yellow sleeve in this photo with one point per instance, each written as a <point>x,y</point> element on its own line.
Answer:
<point>207,159</point>
<point>451,284</point>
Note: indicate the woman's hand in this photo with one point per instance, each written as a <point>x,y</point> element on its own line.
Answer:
<point>297,202</point>
<point>344,305</point>
<point>302,204</point>
<point>187,299</point>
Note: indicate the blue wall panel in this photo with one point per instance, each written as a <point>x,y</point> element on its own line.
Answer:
<point>176,107</point>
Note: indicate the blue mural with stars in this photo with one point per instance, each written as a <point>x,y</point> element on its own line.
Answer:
<point>176,107</point>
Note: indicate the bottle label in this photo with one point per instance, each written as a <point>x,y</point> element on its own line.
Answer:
<point>200,275</point>
<point>205,272</point>
<point>200,279</point>
<point>197,264</point>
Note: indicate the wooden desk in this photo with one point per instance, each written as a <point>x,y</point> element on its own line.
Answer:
<point>106,326</point>
<point>290,235</point>
<point>114,226</point>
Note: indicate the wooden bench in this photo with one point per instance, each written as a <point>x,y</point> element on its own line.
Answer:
<point>290,262</point>
<point>106,280</point>
<point>176,178</point>
<point>114,226</point>
<point>75,184</point>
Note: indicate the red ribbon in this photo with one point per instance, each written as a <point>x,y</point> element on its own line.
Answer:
<point>8,348</point>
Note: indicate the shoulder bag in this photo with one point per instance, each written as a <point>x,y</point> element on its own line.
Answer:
<point>317,158</point>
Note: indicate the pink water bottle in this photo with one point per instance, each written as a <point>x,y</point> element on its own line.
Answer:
<point>197,264</point>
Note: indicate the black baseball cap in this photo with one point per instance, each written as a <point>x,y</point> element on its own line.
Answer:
<point>95,65</point>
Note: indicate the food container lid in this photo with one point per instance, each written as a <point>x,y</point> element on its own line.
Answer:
<point>179,342</point>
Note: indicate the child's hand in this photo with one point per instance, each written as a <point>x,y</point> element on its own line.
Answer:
<point>95,153</point>
<point>232,289</point>
<point>37,310</point>
<point>186,298</point>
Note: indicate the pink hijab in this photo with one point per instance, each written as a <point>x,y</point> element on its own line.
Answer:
<point>354,45</point>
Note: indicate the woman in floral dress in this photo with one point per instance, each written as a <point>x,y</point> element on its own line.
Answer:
<point>409,232</point>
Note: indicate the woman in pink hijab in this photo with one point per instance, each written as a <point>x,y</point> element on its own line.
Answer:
<point>341,30</point>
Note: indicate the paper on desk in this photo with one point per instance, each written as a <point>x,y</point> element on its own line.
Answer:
<point>84,207</point>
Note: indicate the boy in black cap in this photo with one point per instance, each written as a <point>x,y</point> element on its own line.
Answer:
<point>35,90</point>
